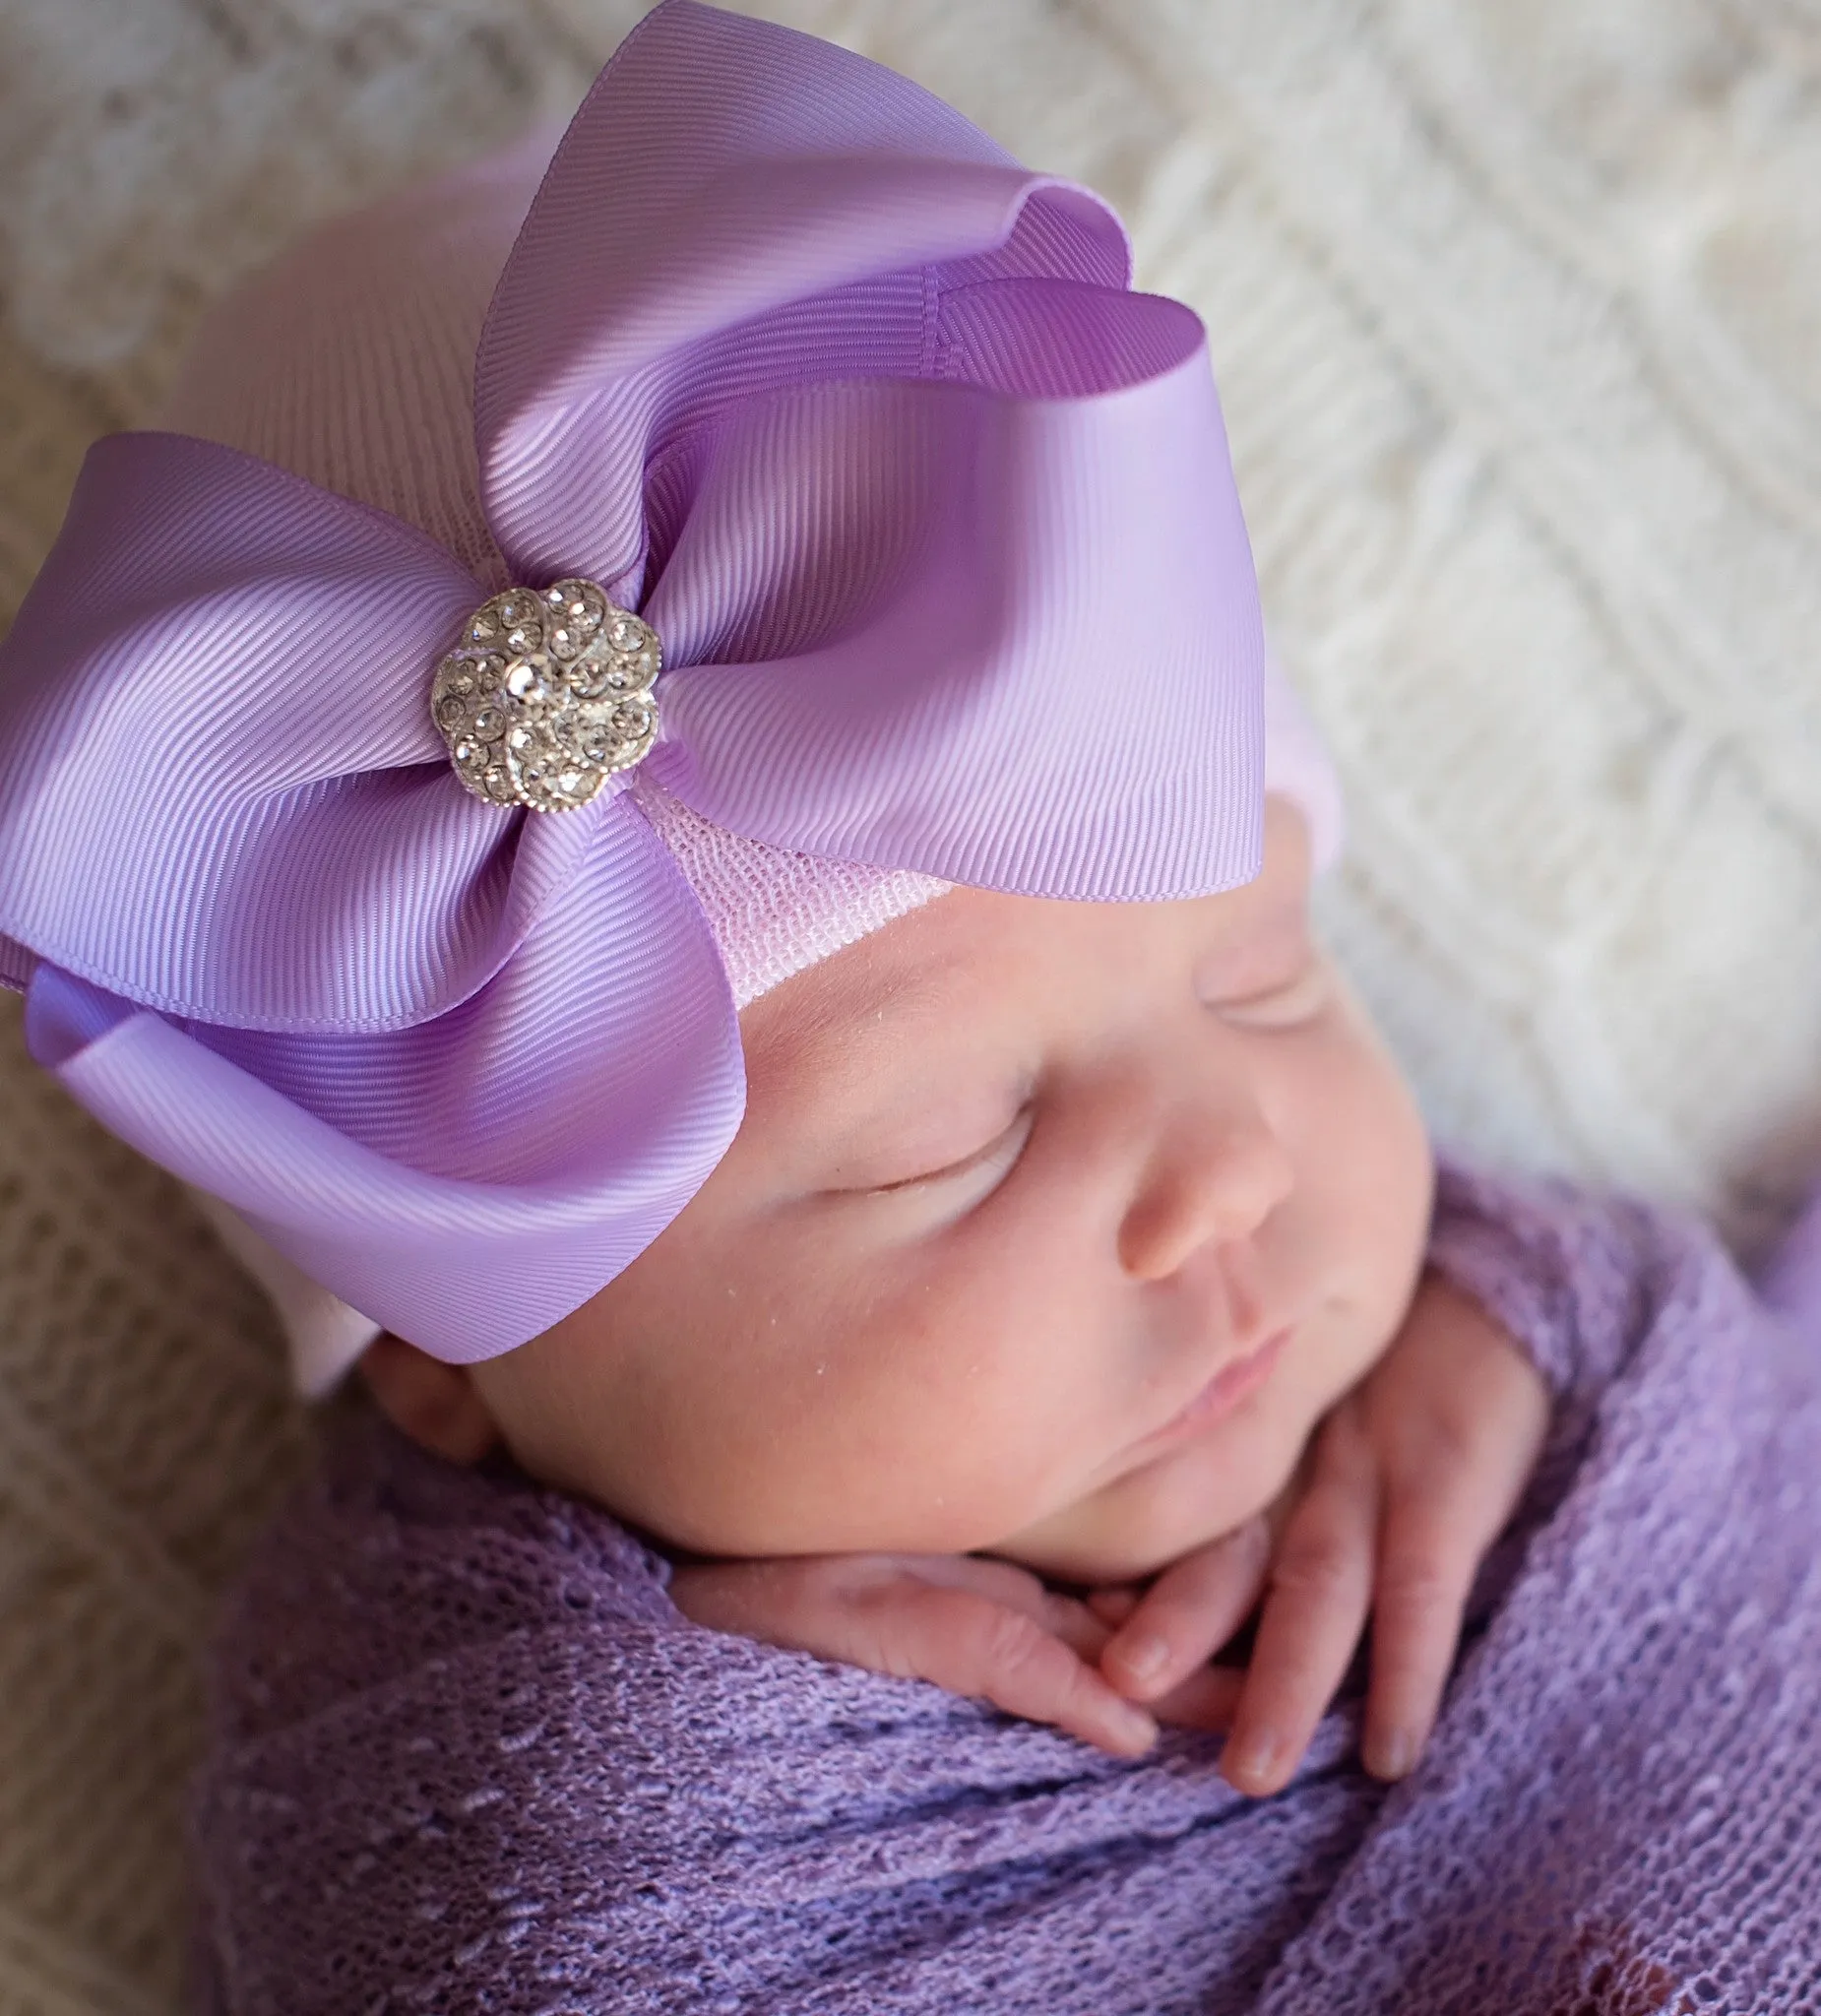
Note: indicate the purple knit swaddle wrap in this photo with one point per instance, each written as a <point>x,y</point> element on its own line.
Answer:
<point>935,521</point>
<point>469,1756</point>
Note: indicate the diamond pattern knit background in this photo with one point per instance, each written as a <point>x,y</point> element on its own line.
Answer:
<point>1515,306</point>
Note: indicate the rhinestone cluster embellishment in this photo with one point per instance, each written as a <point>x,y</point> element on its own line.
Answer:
<point>548,694</point>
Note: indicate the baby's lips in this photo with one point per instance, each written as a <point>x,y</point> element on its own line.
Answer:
<point>1232,1385</point>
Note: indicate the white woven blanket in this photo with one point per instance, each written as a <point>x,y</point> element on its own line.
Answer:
<point>1517,310</point>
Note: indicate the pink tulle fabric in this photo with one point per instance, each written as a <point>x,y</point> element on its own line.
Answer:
<point>351,363</point>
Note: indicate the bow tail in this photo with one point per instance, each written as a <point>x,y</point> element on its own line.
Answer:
<point>596,1081</point>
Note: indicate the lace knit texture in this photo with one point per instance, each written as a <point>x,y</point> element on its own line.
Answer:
<point>469,1757</point>
<point>1512,305</point>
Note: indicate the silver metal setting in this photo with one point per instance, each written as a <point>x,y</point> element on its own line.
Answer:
<point>548,695</point>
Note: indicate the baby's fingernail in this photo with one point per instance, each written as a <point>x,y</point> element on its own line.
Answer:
<point>1143,1656</point>
<point>1133,1729</point>
<point>1393,1755</point>
<point>1254,1761</point>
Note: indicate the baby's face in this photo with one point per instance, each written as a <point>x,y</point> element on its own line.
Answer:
<point>1052,1229</point>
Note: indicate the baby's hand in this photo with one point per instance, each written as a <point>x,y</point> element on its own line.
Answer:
<point>978,1627</point>
<point>1407,1484</point>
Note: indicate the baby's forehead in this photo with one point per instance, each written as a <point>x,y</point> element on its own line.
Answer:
<point>927,981</point>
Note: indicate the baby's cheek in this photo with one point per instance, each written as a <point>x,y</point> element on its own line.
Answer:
<point>1371,1149</point>
<point>888,1429</point>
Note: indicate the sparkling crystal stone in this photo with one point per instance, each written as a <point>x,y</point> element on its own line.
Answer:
<point>547,698</point>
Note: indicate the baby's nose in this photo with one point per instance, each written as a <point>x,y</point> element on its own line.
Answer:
<point>1213,1178</point>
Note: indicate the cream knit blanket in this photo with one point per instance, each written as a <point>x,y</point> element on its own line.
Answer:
<point>1515,306</point>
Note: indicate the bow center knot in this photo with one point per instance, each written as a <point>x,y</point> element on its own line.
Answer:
<point>548,695</point>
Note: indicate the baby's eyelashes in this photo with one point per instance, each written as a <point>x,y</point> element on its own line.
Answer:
<point>982,1170</point>
<point>969,1148</point>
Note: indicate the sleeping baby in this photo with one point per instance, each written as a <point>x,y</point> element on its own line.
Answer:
<point>665,791</point>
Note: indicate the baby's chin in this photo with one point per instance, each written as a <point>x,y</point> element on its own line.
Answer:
<point>1210,1485</point>
<point>1166,1508</point>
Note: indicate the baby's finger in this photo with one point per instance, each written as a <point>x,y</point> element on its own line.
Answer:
<point>1428,1560</point>
<point>807,1602</point>
<point>1435,1532</point>
<point>975,1626</point>
<point>1113,1603</point>
<point>974,1646</point>
<point>1208,1699</point>
<point>1066,1617</point>
<point>1315,1610</point>
<point>787,1603</point>
<point>1188,1613</point>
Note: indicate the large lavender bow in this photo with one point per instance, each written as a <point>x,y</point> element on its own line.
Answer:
<point>937,526</point>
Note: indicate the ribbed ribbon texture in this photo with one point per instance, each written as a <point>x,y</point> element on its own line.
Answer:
<point>936,522</point>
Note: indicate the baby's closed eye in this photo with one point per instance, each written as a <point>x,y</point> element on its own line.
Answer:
<point>989,1163</point>
<point>1286,1002</point>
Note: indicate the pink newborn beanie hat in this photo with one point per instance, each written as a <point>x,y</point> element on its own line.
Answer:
<point>887,250</point>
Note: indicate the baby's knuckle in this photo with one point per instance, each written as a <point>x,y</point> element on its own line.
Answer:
<point>1455,1440</point>
<point>1009,1644</point>
<point>874,1603</point>
<point>1320,1564</point>
<point>909,1642</point>
<point>1418,1588</point>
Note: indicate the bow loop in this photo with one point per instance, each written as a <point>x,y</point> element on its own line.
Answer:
<point>966,650</point>
<point>217,688</point>
<point>468,1181</point>
<point>780,213</point>
<point>863,417</point>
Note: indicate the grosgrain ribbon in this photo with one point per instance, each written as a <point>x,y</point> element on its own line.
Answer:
<point>936,522</point>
